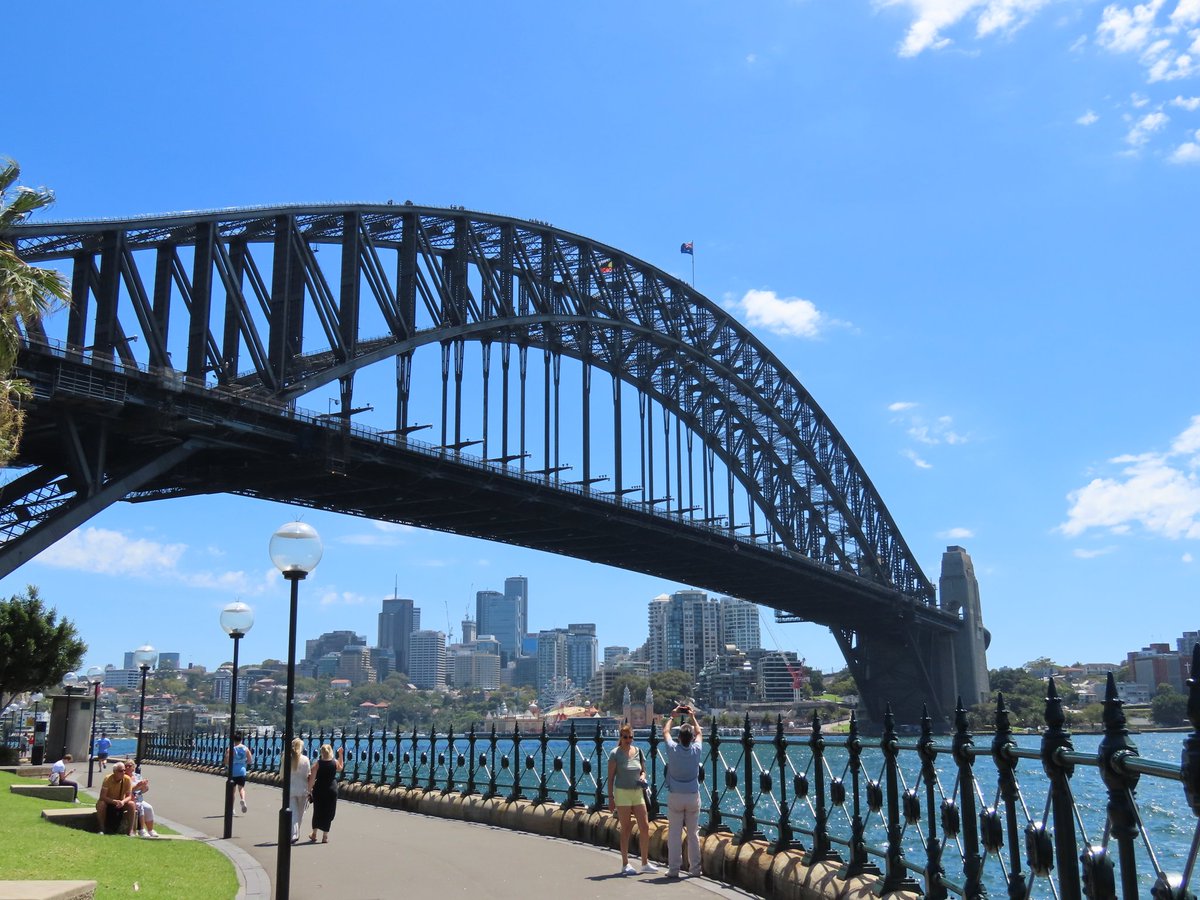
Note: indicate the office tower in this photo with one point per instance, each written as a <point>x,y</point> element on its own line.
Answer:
<point>683,631</point>
<point>128,663</point>
<point>468,631</point>
<point>516,590</point>
<point>958,592</point>
<point>383,661</point>
<point>427,659</point>
<point>473,669</point>
<point>354,665</point>
<point>331,642</point>
<point>168,661</point>
<point>582,649</point>
<point>551,657</point>
<point>739,624</point>
<point>501,617</point>
<point>398,619</point>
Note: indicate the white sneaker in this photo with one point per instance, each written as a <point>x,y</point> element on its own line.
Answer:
<point>142,832</point>
<point>628,870</point>
<point>649,868</point>
<point>243,806</point>
<point>152,833</point>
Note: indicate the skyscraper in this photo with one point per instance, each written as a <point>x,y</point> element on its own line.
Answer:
<point>683,631</point>
<point>551,657</point>
<point>739,623</point>
<point>397,621</point>
<point>503,617</point>
<point>427,658</point>
<point>516,590</point>
<point>582,648</point>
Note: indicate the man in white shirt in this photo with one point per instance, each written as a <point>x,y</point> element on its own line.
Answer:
<point>59,776</point>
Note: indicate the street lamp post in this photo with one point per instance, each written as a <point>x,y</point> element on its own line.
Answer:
<point>68,682</point>
<point>237,619</point>
<point>36,750</point>
<point>295,550</point>
<point>95,675</point>
<point>143,657</point>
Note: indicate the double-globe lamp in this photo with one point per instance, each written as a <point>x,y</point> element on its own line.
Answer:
<point>95,675</point>
<point>236,619</point>
<point>295,550</point>
<point>143,657</point>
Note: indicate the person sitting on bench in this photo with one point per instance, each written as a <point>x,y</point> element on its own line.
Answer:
<point>145,812</point>
<point>116,798</point>
<point>60,776</point>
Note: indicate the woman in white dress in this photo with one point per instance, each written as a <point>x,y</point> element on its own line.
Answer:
<point>299,786</point>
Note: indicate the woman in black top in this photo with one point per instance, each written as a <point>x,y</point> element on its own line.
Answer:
<point>322,784</point>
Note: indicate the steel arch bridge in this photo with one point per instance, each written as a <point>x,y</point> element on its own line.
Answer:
<point>193,339</point>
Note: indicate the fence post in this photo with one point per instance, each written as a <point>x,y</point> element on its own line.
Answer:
<point>396,771</point>
<point>783,838</point>
<point>1062,807</point>
<point>450,760</point>
<point>822,850</point>
<point>470,755</point>
<point>896,877</point>
<point>601,770</point>
<point>415,759</point>
<point>935,888</point>
<point>370,748</point>
<point>572,799</point>
<point>429,784</point>
<point>515,793</point>
<point>1006,771</point>
<point>714,797</point>
<point>655,738</point>
<point>859,863</point>
<point>1115,747</point>
<point>749,826</point>
<point>961,748</point>
<point>542,789</point>
<point>491,791</point>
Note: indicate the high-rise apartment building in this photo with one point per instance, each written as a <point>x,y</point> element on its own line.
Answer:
<point>427,659</point>
<point>331,642</point>
<point>503,616</point>
<point>683,631</point>
<point>738,624</point>
<point>516,590</point>
<point>582,649</point>
<point>551,657</point>
<point>614,653</point>
<point>398,619</point>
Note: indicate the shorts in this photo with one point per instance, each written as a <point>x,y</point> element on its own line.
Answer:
<point>629,796</point>
<point>239,780</point>
<point>102,756</point>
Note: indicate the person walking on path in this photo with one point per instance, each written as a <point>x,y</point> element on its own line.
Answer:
<point>103,745</point>
<point>59,776</point>
<point>299,786</point>
<point>626,797</point>
<point>241,759</point>
<point>683,785</point>
<point>322,784</point>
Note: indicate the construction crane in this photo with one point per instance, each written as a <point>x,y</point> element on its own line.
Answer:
<point>449,623</point>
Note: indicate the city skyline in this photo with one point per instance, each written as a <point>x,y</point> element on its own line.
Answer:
<point>966,228</point>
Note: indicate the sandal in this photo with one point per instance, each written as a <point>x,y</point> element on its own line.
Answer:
<point>325,840</point>
<point>312,838</point>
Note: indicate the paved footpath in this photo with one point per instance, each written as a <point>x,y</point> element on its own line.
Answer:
<point>376,853</point>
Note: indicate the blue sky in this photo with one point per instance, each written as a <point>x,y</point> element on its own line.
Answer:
<point>968,226</point>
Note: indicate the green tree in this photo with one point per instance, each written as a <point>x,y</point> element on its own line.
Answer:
<point>671,687</point>
<point>1169,707</point>
<point>26,293</point>
<point>36,649</point>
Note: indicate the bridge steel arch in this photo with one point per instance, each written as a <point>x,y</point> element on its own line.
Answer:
<point>192,338</point>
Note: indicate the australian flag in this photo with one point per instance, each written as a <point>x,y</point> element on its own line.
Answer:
<point>686,248</point>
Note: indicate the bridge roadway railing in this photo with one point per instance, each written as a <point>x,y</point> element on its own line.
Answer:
<point>101,388</point>
<point>944,819</point>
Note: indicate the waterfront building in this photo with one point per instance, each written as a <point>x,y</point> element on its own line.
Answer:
<point>427,659</point>
<point>1157,664</point>
<point>779,676</point>
<point>683,630</point>
<point>398,619</point>
<point>738,624</point>
<point>223,684</point>
<point>727,680</point>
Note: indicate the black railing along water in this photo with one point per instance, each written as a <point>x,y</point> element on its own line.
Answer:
<point>924,815</point>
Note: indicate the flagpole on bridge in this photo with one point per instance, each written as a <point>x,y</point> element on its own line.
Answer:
<point>689,247</point>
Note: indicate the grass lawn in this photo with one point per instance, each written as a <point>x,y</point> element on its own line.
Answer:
<point>32,848</point>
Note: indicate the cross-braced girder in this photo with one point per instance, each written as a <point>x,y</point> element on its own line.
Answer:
<point>279,303</point>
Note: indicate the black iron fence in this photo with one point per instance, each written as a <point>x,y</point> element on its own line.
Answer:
<point>943,817</point>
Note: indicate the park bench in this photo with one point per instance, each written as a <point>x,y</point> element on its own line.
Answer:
<point>47,890</point>
<point>63,792</point>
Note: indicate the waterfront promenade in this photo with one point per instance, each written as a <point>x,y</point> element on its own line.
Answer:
<point>375,852</point>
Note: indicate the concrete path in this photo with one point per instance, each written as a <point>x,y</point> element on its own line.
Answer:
<point>377,853</point>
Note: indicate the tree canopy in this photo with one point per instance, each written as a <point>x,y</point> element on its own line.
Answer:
<point>26,293</point>
<point>36,649</point>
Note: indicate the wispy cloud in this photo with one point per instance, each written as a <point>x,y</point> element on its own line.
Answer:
<point>342,598</point>
<point>788,316</point>
<point>1156,492</point>
<point>932,19</point>
<point>1146,126</point>
<point>1081,553</point>
<point>1191,104</point>
<point>1088,118</point>
<point>956,534</point>
<point>1187,153</point>
<point>925,430</point>
<point>915,459</point>
<point>385,534</point>
<point>105,552</point>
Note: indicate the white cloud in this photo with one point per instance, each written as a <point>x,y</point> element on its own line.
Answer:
<point>1088,118</point>
<point>1187,153</point>
<point>939,431</point>
<point>1156,492</point>
<point>106,552</point>
<point>916,460</point>
<point>930,18</point>
<point>789,316</point>
<point>389,534</point>
<point>1191,104</point>
<point>751,58</point>
<point>1145,127</point>
<point>901,406</point>
<point>957,534</point>
<point>1081,553</point>
<point>1187,12</point>
<point>1187,558</point>
<point>1127,30</point>
<point>342,598</point>
<point>1137,101</point>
